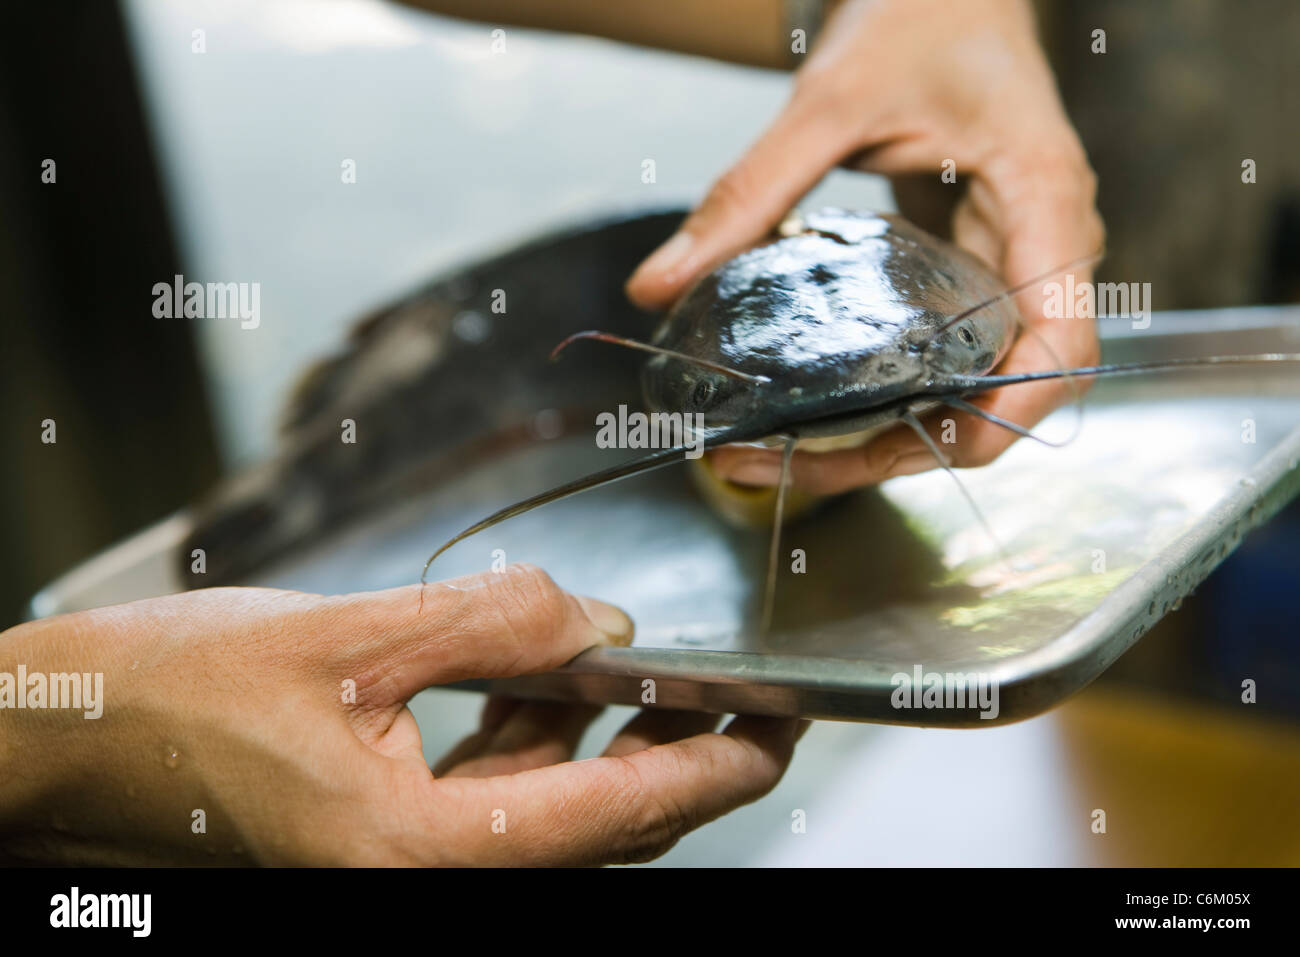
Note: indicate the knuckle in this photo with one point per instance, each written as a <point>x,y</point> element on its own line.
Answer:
<point>1066,190</point>
<point>531,581</point>
<point>1088,177</point>
<point>731,194</point>
<point>1059,171</point>
<point>1095,228</point>
<point>651,823</point>
<point>527,595</point>
<point>819,91</point>
<point>436,803</point>
<point>659,825</point>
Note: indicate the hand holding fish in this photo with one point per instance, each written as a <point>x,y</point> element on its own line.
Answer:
<point>906,88</point>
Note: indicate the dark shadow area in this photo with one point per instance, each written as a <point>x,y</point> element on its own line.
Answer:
<point>84,241</point>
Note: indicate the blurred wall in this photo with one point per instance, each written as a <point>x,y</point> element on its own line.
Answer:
<point>458,152</point>
<point>1187,90</point>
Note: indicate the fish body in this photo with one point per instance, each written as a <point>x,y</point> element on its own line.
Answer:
<point>842,317</point>
<point>435,370</point>
<point>842,324</point>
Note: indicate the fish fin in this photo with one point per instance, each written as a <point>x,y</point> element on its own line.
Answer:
<point>774,547</point>
<point>659,351</point>
<point>962,405</point>
<point>946,464</point>
<point>975,385</point>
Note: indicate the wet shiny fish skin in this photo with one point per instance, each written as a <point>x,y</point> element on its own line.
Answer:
<point>839,316</point>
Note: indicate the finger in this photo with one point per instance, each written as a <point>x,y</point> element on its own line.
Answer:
<point>745,204</point>
<point>496,709</point>
<point>655,726</point>
<point>619,809</point>
<point>537,734</point>
<point>1049,218</point>
<point>972,231</point>
<point>889,455</point>
<point>401,740</point>
<point>517,621</point>
<point>1054,345</point>
<point>900,451</point>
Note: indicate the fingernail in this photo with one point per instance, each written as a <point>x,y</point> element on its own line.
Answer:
<point>613,621</point>
<point>667,259</point>
<point>754,472</point>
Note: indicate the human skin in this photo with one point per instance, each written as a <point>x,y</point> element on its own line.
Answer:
<point>243,686</point>
<point>233,701</point>
<point>894,87</point>
<point>898,87</point>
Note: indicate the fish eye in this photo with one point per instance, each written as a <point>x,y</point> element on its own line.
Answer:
<point>703,393</point>
<point>966,336</point>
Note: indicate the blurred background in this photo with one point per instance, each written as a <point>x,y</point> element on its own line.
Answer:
<point>222,164</point>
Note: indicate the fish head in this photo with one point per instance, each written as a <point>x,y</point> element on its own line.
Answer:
<point>972,346</point>
<point>720,402</point>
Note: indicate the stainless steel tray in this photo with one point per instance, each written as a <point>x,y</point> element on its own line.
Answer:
<point>1102,538</point>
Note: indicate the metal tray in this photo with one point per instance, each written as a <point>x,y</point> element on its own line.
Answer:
<point>1101,538</point>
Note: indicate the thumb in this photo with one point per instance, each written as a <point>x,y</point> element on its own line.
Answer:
<point>743,206</point>
<point>398,642</point>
